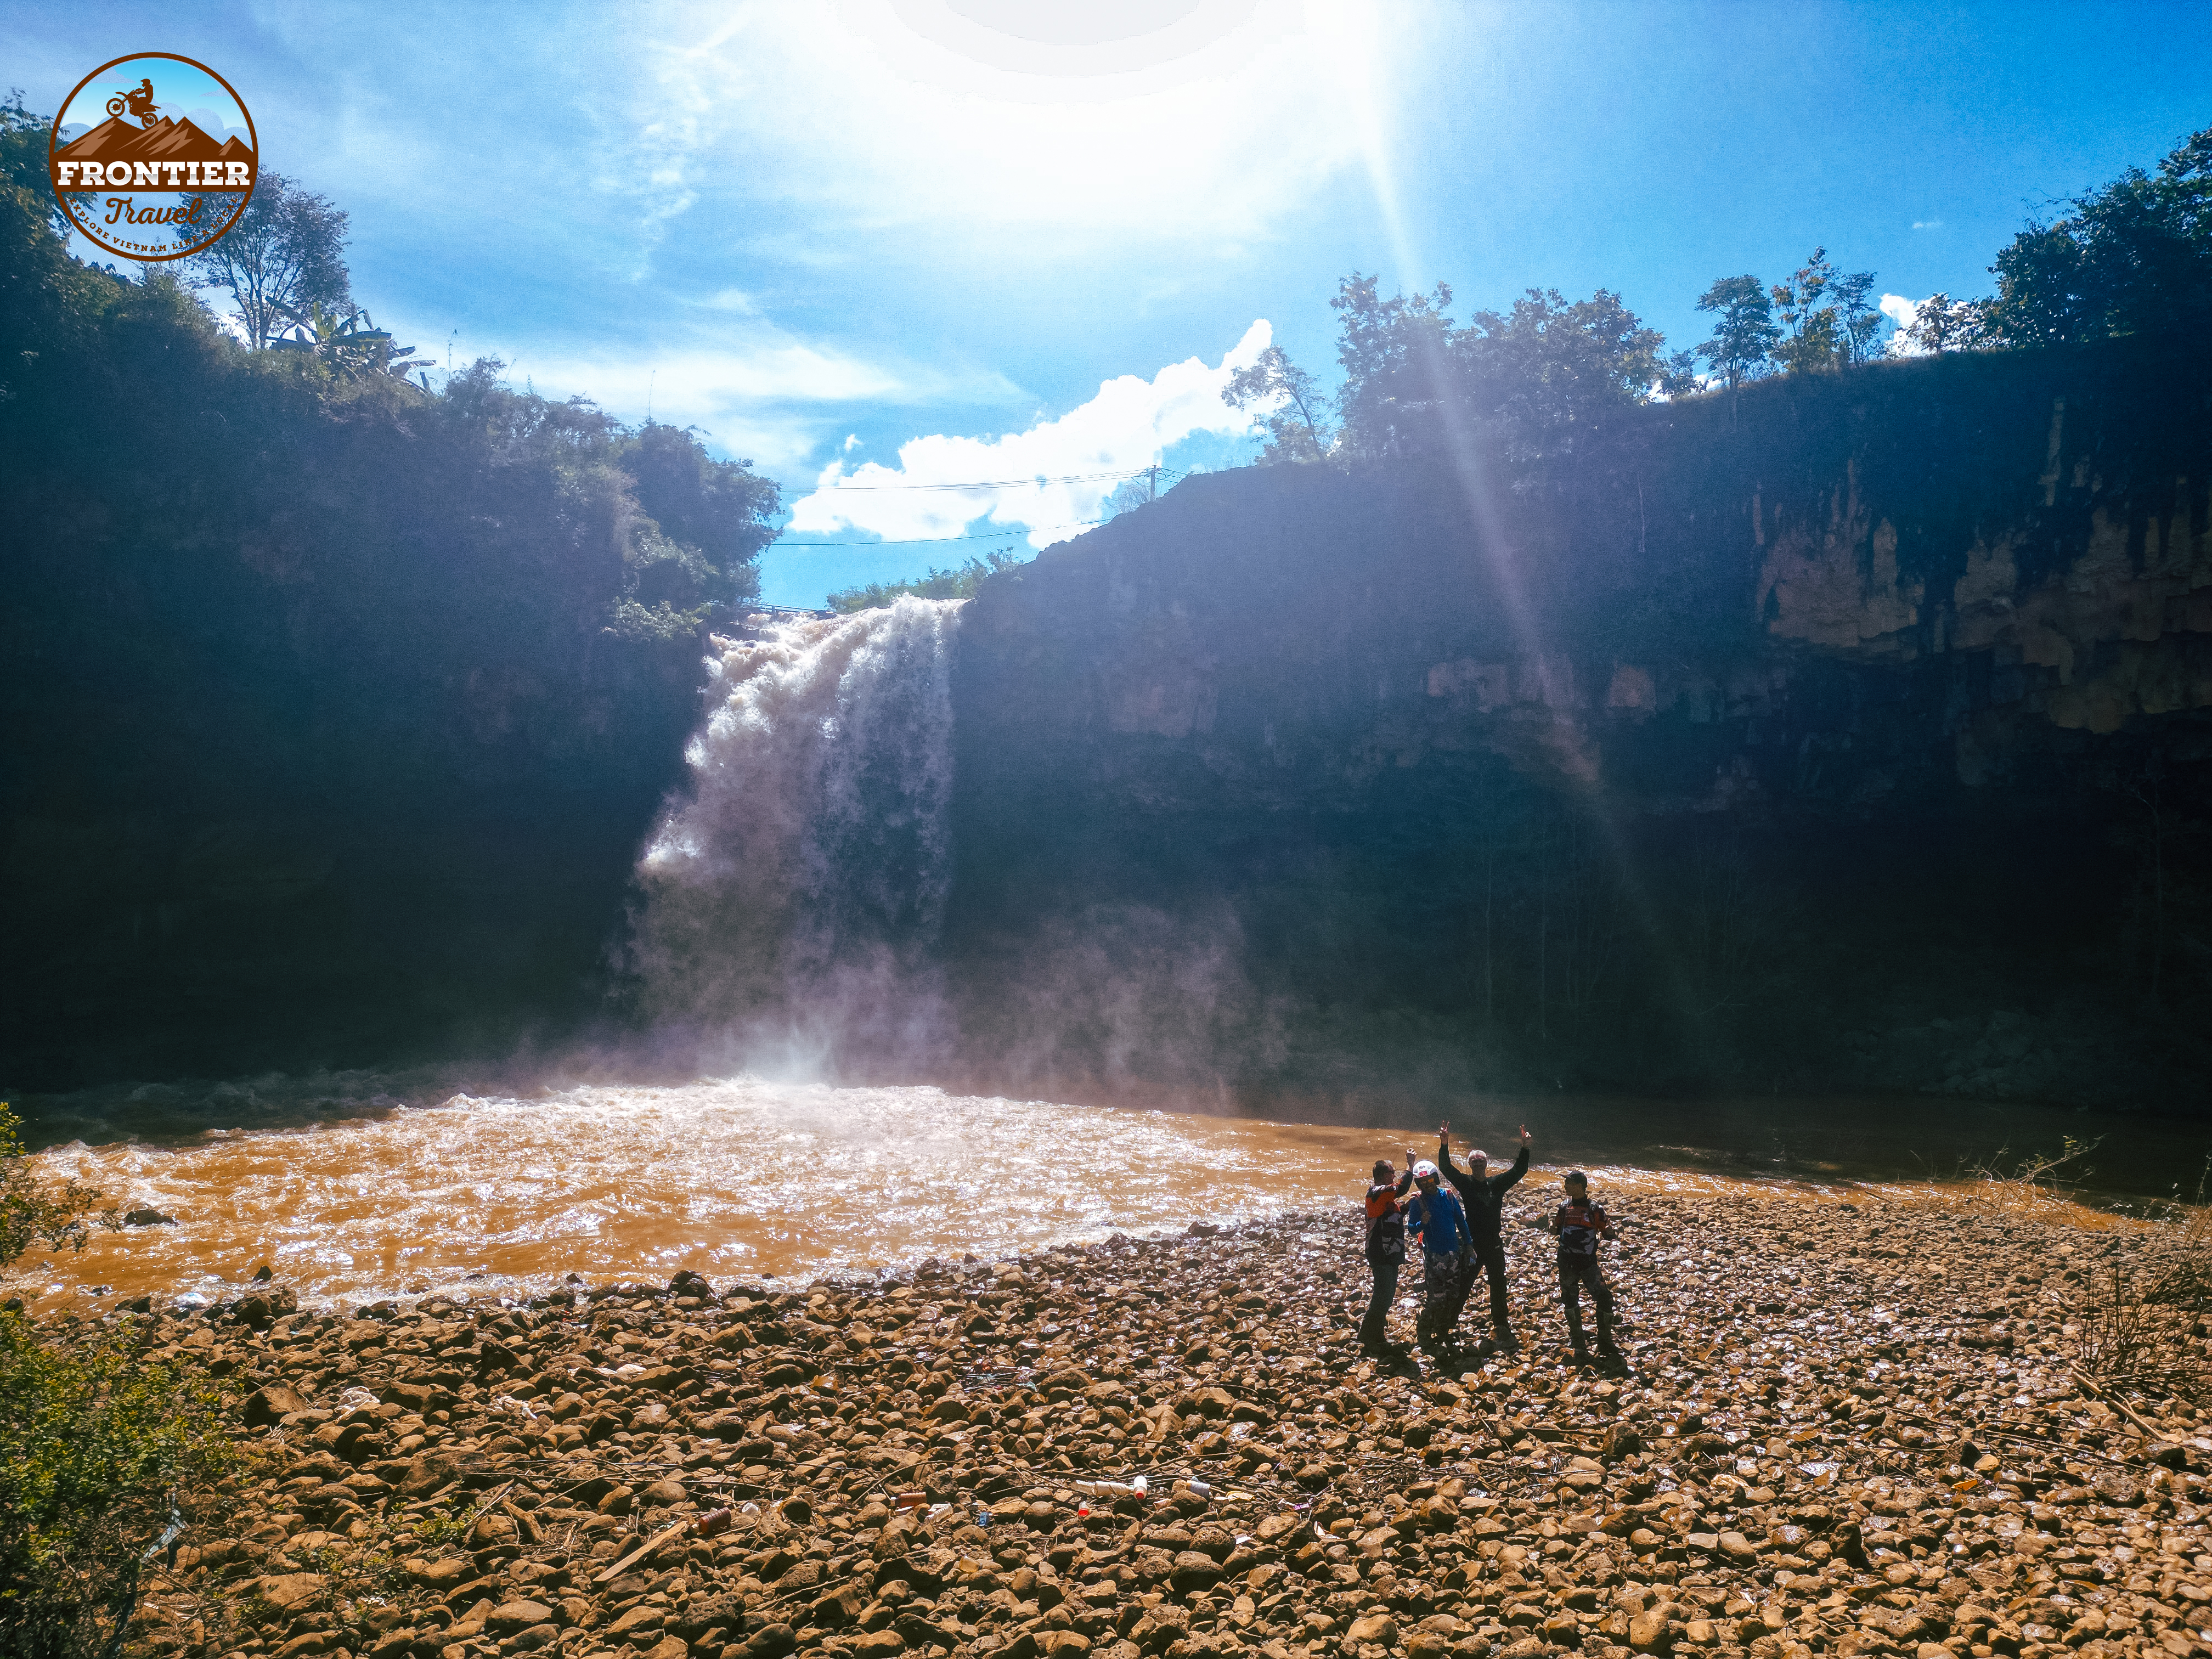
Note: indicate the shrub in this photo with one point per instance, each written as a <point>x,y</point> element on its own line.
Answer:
<point>99,1452</point>
<point>33,1212</point>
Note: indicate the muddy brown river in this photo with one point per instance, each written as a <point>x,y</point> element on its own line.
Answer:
<point>743,1178</point>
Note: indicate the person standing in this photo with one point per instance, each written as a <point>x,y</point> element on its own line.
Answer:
<point>1439,1220</point>
<point>1386,1254</point>
<point>1484,1195</point>
<point>1582,1224</point>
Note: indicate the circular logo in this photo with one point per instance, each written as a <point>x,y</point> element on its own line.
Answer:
<point>153,156</point>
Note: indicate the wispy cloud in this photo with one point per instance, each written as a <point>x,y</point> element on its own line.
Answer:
<point>1928,224</point>
<point>765,395</point>
<point>1129,424</point>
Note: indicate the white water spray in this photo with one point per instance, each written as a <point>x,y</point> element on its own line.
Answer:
<point>792,902</point>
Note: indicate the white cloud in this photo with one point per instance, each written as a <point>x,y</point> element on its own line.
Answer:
<point>1130,424</point>
<point>1928,224</point>
<point>1902,312</point>
<point>765,395</point>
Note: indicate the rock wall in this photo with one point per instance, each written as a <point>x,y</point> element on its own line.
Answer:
<point>1847,732</point>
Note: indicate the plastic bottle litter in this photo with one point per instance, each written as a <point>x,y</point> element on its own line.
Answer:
<point>1140,1486</point>
<point>1199,1488</point>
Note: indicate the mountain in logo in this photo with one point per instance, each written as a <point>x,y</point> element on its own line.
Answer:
<point>118,140</point>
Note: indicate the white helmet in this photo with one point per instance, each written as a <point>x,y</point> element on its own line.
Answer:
<point>1425,1170</point>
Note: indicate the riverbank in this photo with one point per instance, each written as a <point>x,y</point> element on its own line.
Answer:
<point>1849,1428</point>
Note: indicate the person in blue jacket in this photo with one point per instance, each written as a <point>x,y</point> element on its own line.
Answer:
<point>1436,1217</point>
<point>1484,1195</point>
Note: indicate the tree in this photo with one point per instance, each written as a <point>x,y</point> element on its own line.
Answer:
<point>23,139</point>
<point>1743,340</point>
<point>1858,316</point>
<point>2132,258</point>
<point>1396,356</point>
<point>1941,323</point>
<point>1537,376</point>
<point>1825,316</point>
<point>283,258</point>
<point>1292,408</point>
<point>1551,366</point>
<point>1808,334</point>
<point>713,516</point>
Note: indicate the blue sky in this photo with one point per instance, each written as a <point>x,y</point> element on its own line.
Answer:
<point>994,239</point>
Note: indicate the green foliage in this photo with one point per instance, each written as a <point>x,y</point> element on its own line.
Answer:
<point>283,258</point>
<point>358,614</point>
<point>98,1449</point>
<point>2132,258</point>
<point>33,1212</point>
<point>348,346</point>
<point>23,140</point>
<point>1294,408</point>
<point>1551,370</point>
<point>1941,323</point>
<point>1824,317</point>
<point>1395,354</point>
<point>1744,338</point>
<point>958,583</point>
<point>1536,381</point>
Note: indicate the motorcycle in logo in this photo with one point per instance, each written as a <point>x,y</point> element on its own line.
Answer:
<point>170,166</point>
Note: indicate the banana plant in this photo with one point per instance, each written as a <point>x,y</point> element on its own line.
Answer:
<point>349,346</point>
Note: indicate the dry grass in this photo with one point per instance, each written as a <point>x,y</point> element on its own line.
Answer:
<point>2134,1343</point>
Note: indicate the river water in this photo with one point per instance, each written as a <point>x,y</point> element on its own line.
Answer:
<point>349,1198</point>
<point>792,901</point>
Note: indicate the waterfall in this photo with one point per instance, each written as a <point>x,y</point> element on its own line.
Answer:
<point>792,901</point>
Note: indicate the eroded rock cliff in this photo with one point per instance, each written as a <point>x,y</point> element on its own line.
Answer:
<point>1849,732</point>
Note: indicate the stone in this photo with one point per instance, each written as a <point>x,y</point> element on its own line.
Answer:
<point>512,1616</point>
<point>1376,1627</point>
<point>441,1575</point>
<point>272,1403</point>
<point>287,1592</point>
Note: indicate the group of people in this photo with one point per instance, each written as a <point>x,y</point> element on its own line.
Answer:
<point>1456,1216</point>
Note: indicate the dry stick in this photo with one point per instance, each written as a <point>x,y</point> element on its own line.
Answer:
<point>2114,1400</point>
<point>642,1550</point>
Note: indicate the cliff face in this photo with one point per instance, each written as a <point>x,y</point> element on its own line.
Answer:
<point>1846,733</point>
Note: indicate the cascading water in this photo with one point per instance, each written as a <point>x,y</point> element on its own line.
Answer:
<point>792,901</point>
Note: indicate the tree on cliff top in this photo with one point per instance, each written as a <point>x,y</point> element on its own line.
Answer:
<point>1292,406</point>
<point>1535,379</point>
<point>1743,341</point>
<point>2132,258</point>
<point>284,257</point>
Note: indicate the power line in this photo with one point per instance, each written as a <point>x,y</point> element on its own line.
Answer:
<point>921,541</point>
<point>1012,484</point>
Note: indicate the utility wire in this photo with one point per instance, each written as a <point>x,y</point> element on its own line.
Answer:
<point>1010,483</point>
<point>918,541</point>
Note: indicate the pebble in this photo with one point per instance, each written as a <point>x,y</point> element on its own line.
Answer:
<point>1844,1430</point>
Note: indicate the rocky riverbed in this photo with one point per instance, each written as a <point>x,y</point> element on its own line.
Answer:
<point>1847,1428</point>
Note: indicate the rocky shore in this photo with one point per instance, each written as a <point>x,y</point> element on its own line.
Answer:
<point>1847,1429</point>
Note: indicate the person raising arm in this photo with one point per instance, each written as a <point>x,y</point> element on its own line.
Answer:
<point>1484,1195</point>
